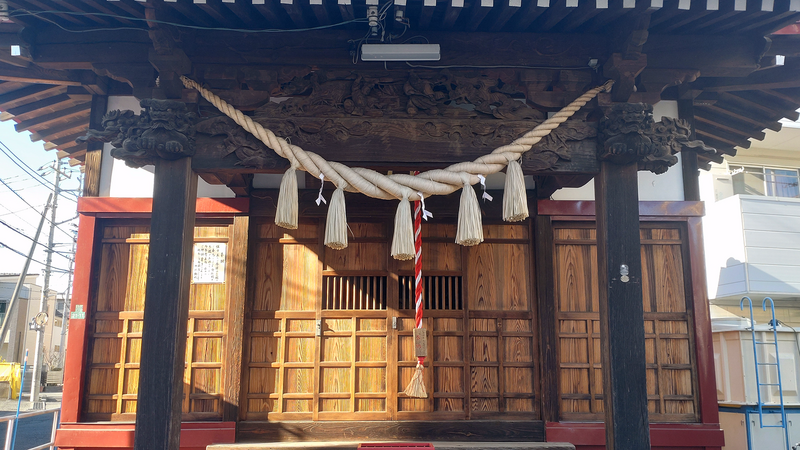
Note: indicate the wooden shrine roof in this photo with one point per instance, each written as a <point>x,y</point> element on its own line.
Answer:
<point>51,97</point>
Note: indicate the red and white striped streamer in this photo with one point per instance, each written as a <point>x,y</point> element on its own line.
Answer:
<point>418,263</point>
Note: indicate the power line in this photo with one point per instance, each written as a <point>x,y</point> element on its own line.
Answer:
<point>3,245</point>
<point>29,205</point>
<point>59,253</point>
<point>29,170</point>
<point>40,14</point>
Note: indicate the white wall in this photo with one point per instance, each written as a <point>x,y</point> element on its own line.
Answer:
<point>665,187</point>
<point>119,180</point>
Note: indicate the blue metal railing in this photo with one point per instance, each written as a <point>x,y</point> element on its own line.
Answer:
<point>776,364</point>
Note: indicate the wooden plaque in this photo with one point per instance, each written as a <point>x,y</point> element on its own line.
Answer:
<point>420,342</point>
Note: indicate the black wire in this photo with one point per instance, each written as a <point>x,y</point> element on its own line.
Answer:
<point>29,170</point>
<point>53,269</point>
<point>59,253</point>
<point>38,14</point>
<point>32,207</point>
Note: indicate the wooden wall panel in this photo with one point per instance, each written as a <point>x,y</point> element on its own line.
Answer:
<point>670,366</point>
<point>115,341</point>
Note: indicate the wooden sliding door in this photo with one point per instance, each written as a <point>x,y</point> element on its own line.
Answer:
<point>671,367</point>
<point>330,332</point>
<point>115,323</point>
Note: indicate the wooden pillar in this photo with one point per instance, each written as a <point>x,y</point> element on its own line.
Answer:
<point>166,310</point>
<point>545,291</point>
<point>621,310</point>
<point>94,149</point>
<point>691,171</point>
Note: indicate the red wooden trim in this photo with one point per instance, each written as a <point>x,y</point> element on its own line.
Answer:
<point>138,207</point>
<point>586,208</point>
<point>193,435</point>
<point>706,379</point>
<point>661,435</point>
<point>75,360</point>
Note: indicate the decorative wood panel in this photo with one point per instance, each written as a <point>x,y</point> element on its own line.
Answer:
<point>115,340</point>
<point>671,370</point>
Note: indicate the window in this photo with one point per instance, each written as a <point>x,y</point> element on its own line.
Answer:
<point>765,181</point>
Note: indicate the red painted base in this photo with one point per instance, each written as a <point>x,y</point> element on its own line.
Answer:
<point>679,436</point>
<point>95,436</point>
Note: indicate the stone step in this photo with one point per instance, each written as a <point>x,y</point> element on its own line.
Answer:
<point>438,445</point>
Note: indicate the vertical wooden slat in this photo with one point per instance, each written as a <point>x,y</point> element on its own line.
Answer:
<point>187,373</point>
<point>123,353</point>
<point>235,317</point>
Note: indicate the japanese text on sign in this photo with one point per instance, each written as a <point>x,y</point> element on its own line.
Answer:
<point>208,265</point>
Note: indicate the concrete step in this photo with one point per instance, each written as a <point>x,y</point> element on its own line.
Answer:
<point>438,445</point>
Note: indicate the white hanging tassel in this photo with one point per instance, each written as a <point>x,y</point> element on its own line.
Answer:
<point>470,228</point>
<point>336,225</point>
<point>286,214</point>
<point>515,198</point>
<point>403,240</point>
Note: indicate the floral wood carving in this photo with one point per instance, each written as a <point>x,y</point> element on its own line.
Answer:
<point>628,133</point>
<point>442,94</point>
<point>164,129</point>
<point>381,140</point>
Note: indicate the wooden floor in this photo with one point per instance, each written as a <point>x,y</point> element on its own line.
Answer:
<point>437,446</point>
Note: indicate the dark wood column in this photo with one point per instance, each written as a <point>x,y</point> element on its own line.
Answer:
<point>545,291</point>
<point>166,308</point>
<point>691,171</point>
<point>621,310</point>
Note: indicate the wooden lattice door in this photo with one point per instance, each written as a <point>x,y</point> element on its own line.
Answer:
<point>318,327</point>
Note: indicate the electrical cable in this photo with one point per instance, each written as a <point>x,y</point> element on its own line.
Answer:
<point>59,253</point>
<point>53,269</point>
<point>32,207</point>
<point>29,170</point>
<point>39,14</point>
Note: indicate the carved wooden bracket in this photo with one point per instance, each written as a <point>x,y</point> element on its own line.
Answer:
<point>628,133</point>
<point>165,129</point>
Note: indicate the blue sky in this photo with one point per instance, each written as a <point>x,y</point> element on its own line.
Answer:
<point>17,215</point>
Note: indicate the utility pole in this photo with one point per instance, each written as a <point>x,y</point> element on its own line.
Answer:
<point>38,352</point>
<point>67,300</point>
<point>14,297</point>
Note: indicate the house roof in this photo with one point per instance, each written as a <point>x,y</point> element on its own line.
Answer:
<point>54,101</point>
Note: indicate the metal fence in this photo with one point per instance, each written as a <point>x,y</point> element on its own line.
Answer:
<point>11,421</point>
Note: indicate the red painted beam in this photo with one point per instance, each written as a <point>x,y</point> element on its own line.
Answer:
<point>139,207</point>
<point>586,208</point>
<point>86,436</point>
<point>674,436</point>
<point>75,361</point>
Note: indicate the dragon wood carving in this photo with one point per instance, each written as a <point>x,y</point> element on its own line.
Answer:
<point>164,129</point>
<point>628,133</point>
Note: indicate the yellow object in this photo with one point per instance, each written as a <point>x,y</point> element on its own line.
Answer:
<point>10,373</point>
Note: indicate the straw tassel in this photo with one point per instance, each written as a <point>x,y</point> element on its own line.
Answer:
<point>336,225</point>
<point>515,198</point>
<point>416,388</point>
<point>286,214</point>
<point>470,228</point>
<point>403,240</point>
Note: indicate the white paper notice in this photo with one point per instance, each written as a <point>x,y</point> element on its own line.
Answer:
<point>208,265</point>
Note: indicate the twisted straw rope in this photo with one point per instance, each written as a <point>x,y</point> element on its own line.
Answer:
<point>398,186</point>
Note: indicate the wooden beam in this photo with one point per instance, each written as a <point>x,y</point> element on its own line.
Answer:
<point>621,310</point>
<point>38,75</point>
<point>15,98</point>
<point>691,174</point>
<point>39,104</point>
<point>166,310</point>
<point>234,318</point>
<point>548,322</point>
<point>94,150</point>
<point>46,119</point>
<point>80,122</point>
